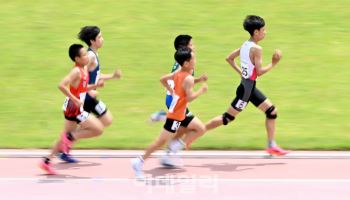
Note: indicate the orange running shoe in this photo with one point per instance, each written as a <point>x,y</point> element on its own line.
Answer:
<point>47,167</point>
<point>277,151</point>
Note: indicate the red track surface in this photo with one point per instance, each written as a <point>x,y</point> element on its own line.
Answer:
<point>204,178</point>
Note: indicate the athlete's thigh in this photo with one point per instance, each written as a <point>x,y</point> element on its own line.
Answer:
<point>106,118</point>
<point>181,130</point>
<point>70,126</point>
<point>265,105</point>
<point>165,135</point>
<point>232,111</point>
<point>91,123</point>
<point>196,124</point>
<point>257,98</point>
<point>243,94</point>
<point>95,106</point>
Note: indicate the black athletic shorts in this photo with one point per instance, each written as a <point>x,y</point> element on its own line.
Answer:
<point>187,120</point>
<point>172,125</point>
<point>247,91</point>
<point>95,106</point>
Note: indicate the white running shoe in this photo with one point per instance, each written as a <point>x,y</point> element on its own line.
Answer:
<point>137,164</point>
<point>169,160</point>
<point>176,145</point>
<point>158,116</point>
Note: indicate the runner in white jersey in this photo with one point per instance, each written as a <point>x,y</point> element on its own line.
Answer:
<point>251,67</point>
<point>248,69</point>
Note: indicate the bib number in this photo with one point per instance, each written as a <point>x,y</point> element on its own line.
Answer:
<point>175,125</point>
<point>100,107</point>
<point>244,71</point>
<point>241,104</point>
<point>83,116</point>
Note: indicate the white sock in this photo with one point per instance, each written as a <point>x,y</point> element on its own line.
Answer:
<point>141,159</point>
<point>176,145</point>
<point>272,143</point>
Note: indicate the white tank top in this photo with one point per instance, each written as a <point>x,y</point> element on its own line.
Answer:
<point>248,69</point>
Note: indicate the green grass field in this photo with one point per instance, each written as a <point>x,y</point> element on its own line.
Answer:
<point>310,86</point>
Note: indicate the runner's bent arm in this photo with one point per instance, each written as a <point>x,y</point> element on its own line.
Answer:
<point>257,58</point>
<point>188,86</point>
<point>116,75</point>
<point>164,82</point>
<point>71,79</point>
<point>231,60</point>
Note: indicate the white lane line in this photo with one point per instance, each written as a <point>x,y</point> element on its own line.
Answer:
<point>178,179</point>
<point>236,155</point>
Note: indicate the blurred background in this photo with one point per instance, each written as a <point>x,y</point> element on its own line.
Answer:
<point>310,86</point>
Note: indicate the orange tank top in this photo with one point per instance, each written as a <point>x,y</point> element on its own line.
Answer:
<point>82,88</point>
<point>177,109</point>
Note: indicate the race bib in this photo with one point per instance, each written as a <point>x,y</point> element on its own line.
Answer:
<point>83,116</point>
<point>241,104</point>
<point>175,125</point>
<point>245,73</point>
<point>100,107</point>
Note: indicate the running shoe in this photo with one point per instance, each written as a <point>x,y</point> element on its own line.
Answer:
<point>47,167</point>
<point>158,116</point>
<point>277,151</point>
<point>67,158</point>
<point>137,164</point>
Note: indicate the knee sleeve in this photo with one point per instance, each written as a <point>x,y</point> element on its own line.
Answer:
<point>226,118</point>
<point>269,114</point>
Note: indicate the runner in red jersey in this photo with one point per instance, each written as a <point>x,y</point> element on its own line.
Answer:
<point>89,126</point>
<point>71,110</point>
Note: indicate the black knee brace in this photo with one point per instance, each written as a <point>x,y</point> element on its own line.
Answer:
<point>269,111</point>
<point>226,118</point>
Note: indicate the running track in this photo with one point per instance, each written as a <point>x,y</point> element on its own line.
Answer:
<point>214,175</point>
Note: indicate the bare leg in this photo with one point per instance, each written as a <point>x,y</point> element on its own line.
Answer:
<point>164,137</point>
<point>137,163</point>
<point>91,127</point>
<point>106,119</point>
<point>69,126</point>
<point>197,129</point>
<point>217,121</point>
<point>270,124</point>
<point>180,132</point>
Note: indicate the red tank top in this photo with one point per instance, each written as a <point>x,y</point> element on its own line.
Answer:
<point>179,103</point>
<point>82,88</point>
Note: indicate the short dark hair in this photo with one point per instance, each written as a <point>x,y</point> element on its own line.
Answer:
<point>252,23</point>
<point>182,41</point>
<point>88,33</point>
<point>74,51</point>
<point>183,54</point>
